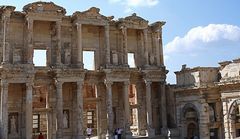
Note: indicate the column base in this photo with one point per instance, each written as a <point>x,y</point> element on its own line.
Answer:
<point>142,132</point>
<point>150,132</point>
<point>109,136</point>
<point>164,131</point>
<point>128,136</point>
<point>80,137</point>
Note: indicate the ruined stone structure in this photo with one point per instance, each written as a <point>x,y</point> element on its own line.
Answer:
<point>125,88</point>
<point>207,101</point>
<point>62,98</point>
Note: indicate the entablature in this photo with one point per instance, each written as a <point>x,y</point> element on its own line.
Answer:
<point>69,75</point>
<point>154,75</point>
<point>117,75</point>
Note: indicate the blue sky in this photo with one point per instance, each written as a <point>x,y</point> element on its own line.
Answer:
<point>197,32</point>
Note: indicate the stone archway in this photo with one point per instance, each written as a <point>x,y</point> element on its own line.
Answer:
<point>190,120</point>
<point>234,119</point>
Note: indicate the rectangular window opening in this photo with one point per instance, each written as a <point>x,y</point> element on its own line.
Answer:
<point>88,60</point>
<point>40,58</point>
<point>131,60</point>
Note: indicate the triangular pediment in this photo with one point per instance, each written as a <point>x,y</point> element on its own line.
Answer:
<point>44,7</point>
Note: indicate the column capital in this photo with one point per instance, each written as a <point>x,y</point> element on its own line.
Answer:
<point>124,30</point>
<point>148,83</point>
<point>29,84</point>
<point>108,83</point>
<point>59,22</point>
<point>79,83</point>
<point>4,83</point>
<point>145,31</point>
<point>126,82</point>
<point>58,83</point>
<point>79,25</point>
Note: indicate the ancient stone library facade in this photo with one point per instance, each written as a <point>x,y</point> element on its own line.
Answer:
<point>105,74</point>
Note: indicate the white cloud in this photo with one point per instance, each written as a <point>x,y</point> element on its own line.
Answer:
<point>204,36</point>
<point>129,4</point>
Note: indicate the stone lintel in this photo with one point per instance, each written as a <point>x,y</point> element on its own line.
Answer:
<point>44,17</point>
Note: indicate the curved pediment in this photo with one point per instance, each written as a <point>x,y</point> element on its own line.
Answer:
<point>91,15</point>
<point>44,7</point>
<point>134,21</point>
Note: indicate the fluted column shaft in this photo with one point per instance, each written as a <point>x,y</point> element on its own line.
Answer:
<point>107,43</point>
<point>80,130</point>
<point>163,109</point>
<point>145,40</point>
<point>158,49</point>
<point>30,41</point>
<point>127,109</point>
<point>5,20</point>
<point>79,45</point>
<point>151,131</point>
<point>29,111</point>
<point>109,110</point>
<point>58,27</point>
<point>4,109</point>
<point>148,103</point>
<point>99,112</point>
<point>59,109</point>
<point>161,46</point>
<point>125,45</point>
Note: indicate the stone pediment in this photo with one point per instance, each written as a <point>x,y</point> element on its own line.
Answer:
<point>44,7</point>
<point>134,21</point>
<point>91,15</point>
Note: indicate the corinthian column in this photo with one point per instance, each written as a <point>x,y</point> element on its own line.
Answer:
<point>163,108</point>
<point>151,131</point>
<point>29,111</point>
<point>30,41</point>
<point>127,110</point>
<point>58,27</point>
<point>59,109</point>
<point>125,46</point>
<point>79,45</point>
<point>107,43</point>
<point>5,21</point>
<point>145,39</point>
<point>80,132</point>
<point>109,110</point>
<point>157,37</point>
<point>4,109</point>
